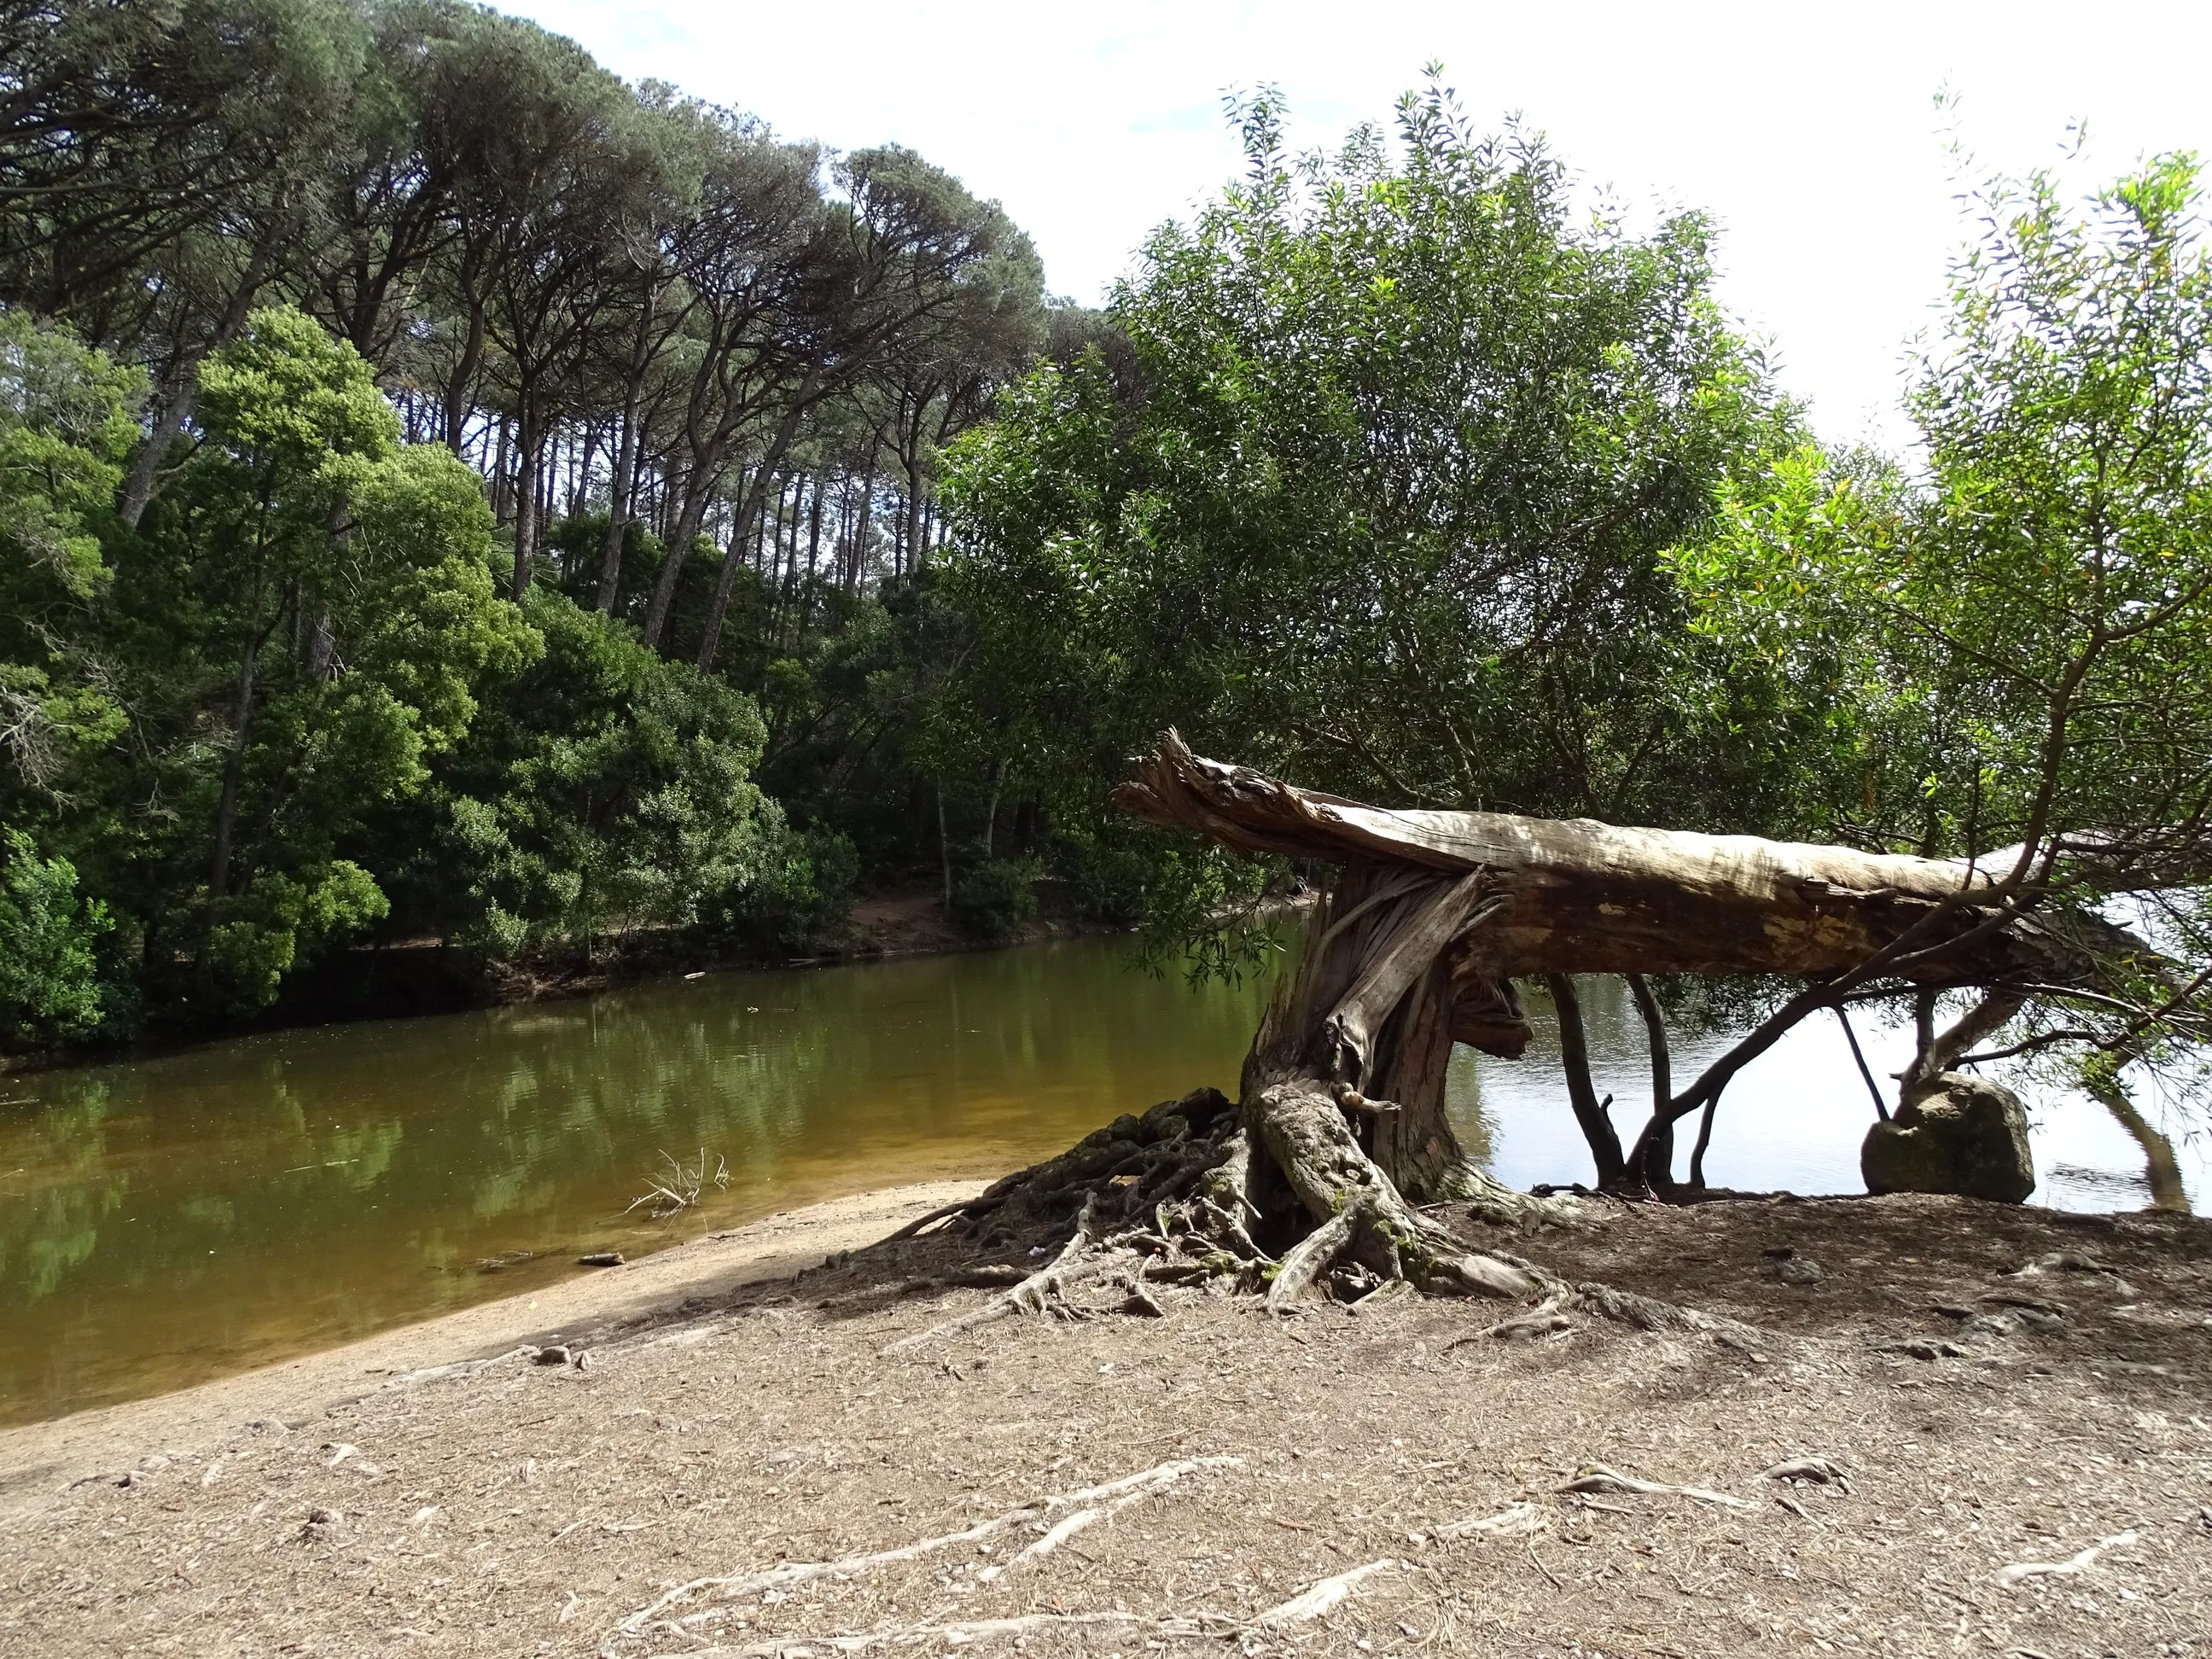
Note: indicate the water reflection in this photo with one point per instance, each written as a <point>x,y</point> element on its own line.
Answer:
<point>166,1221</point>
<point>170,1220</point>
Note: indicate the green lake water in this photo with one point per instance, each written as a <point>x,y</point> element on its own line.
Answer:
<point>169,1219</point>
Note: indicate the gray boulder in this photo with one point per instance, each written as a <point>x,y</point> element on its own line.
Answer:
<point>1959,1134</point>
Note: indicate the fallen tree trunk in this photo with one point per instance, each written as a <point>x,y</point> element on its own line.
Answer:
<point>1313,1180</point>
<point>1436,914</point>
<point>1580,896</point>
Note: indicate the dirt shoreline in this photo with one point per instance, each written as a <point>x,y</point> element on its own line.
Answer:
<point>2003,1389</point>
<point>35,1455</point>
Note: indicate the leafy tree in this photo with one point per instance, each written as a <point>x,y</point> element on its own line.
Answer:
<point>604,786</point>
<point>2011,651</point>
<point>322,592</point>
<point>245,631</point>
<point>50,971</point>
<point>1376,494</point>
<point>65,430</point>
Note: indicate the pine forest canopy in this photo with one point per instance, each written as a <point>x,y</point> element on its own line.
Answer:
<point>264,262</point>
<point>453,494</point>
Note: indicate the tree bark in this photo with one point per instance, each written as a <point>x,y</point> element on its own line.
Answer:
<point>455,404</point>
<point>857,552</point>
<point>1590,1114</point>
<point>1580,896</point>
<point>945,850</point>
<point>698,487</point>
<point>234,767</point>
<point>528,441</point>
<point>1657,1165</point>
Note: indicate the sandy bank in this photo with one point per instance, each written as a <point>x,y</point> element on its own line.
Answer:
<point>34,1456</point>
<point>741,1471</point>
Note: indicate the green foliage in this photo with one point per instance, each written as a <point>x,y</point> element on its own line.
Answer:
<point>261,934</point>
<point>317,594</point>
<point>50,976</point>
<point>65,427</point>
<point>2014,651</point>
<point>604,786</point>
<point>995,896</point>
<point>1374,494</point>
<point>247,633</point>
<point>2017,645</point>
<point>805,887</point>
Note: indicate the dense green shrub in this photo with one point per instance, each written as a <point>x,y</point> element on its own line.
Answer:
<point>50,978</point>
<point>996,896</point>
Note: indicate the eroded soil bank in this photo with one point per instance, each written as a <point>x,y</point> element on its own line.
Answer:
<point>1987,1419</point>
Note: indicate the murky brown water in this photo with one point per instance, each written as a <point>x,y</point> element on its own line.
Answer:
<point>167,1220</point>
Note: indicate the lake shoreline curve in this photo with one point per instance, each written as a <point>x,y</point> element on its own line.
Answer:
<point>577,1309</point>
<point>756,1458</point>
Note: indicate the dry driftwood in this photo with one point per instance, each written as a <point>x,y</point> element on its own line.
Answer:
<point>1578,897</point>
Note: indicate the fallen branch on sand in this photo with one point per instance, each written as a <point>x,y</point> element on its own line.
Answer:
<point>1596,1477</point>
<point>959,1635</point>
<point>1314,1601</point>
<point>1512,1521</point>
<point>1819,1471</point>
<point>1320,1598</point>
<point>1113,1493</point>
<point>2020,1572</point>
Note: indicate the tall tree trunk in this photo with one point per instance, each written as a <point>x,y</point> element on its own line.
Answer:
<point>501,479</point>
<point>625,474</point>
<point>858,555</point>
<point>1590,1114</point>
<point>814,528</point>
<point>180,391</point>
<point>1656,1165</point>
<point>233,766</point>
<point>945,851</point>
<point>710,641</point>
<point>991,815</point>
<point>455,410</point>
<point>528,441</point>
<point>698,489</point>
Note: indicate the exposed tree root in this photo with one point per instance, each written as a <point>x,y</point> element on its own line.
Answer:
<point>1512,1522</point>
<point>1310,1186</point>
<point>958,1634</point>
<point>1324,1597</point>
<point>1278,1197</point>
<point>1315,1602</point>
<point>1596,1477</point>
<point>1110,1496</point>
<point>2021,1572</point>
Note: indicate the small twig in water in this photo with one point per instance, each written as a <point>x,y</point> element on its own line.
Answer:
<point>681,1189</point>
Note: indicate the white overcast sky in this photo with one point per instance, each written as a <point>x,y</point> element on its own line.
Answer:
<point>1808,132</point>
